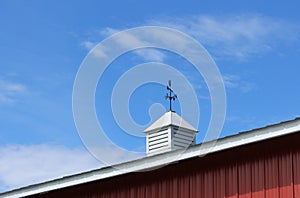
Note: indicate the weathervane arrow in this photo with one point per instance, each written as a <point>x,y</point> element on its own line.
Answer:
<point>171,95</point>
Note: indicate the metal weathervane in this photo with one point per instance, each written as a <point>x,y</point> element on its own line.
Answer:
<point>171,95</point>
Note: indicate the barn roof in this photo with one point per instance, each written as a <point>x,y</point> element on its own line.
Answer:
<point>149,163</point>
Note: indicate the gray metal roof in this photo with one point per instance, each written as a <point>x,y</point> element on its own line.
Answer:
<point>160,160</point>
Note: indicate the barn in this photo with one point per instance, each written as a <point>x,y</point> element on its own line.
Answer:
<point>261,163</point>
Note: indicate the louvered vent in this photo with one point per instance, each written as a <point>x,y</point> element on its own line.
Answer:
<point>169,132</point>
<point>182,138</point>
<point>158,140</point>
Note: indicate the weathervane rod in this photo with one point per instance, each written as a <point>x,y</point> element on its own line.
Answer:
<point>171,95</point>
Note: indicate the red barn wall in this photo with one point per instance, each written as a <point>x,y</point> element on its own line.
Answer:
<point>268,169</point>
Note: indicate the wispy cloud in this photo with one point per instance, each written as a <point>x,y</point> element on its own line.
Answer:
<point>238,37</point>
<point>22,165</point>
<point>235,82</point>
<point>230,36</point>
<point>127,40</point>
<point>235,36</point>
<point>88,45</point>
<point>108,31</point>
<point>10,90</point>
<point>151,54</point>
<point>99,36</point>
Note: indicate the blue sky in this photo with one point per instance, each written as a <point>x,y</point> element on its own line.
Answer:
<point>255,45</point>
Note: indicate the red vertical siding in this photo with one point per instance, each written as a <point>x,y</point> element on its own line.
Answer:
<point>245,176</point>
<point>183,186</point>
<point>296,174</point>
<point>231,181</point>
<point>151,190</point>
<point>285,175</point>
<point>141,191</point>
<point>257,178</point>
<point>255,171</point>
<point>219,180</point>
<point>271,177</point>
<point>162,188</point>
<point>208,184</point>
<point>196,185</point>
<point>173,187</point>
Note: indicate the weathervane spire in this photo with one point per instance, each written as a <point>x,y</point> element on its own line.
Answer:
<point>171,95</point>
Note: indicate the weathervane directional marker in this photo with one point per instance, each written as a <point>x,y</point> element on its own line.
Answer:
<point>171,95</point>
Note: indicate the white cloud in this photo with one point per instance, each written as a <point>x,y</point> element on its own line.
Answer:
<point>230,81</point>
<point>234,36</point>
<point>150,54</point>
<point>126,40</point>
<point>9,91</point>
<point>235,82</point>
<point>88,45</point>
<point>22,165</point>
<point>230,36</point>
<point>5,99</point>
<point>108,31</point>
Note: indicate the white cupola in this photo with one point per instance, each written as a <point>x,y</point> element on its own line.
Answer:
<point>168,133</point>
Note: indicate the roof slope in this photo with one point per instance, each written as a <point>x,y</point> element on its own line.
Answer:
<point>170,118</point>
